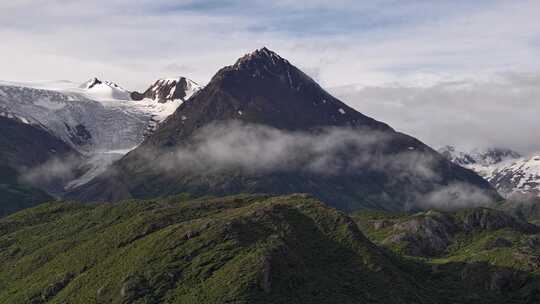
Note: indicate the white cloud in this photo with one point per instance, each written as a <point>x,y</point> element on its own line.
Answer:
<point>497,112</point>
<point>349,42</point>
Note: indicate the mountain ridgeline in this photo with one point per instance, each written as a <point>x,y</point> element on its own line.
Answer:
<point>164,90</point>
<point>262,125</point>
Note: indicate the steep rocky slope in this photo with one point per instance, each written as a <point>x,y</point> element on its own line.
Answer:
<point>262,125</point>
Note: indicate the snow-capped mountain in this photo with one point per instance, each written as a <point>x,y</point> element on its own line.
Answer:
<point>485,157</point>
<point>96,118</point>
<point>86,124</point>
<point>169,89</point>
<point>248,110</point>
<point>519,176</point>
<point>105,90</point>
<point>507,170</point>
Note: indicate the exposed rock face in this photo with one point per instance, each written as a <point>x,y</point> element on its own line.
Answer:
<point>488,219</point>
<point>427,235</point>
<point>91,83</point>
<point>164,90</point>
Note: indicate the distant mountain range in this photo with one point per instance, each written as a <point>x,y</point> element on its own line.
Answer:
<point>509,172</point>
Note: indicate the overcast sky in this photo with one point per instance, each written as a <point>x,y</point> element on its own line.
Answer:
<point>458,71</point>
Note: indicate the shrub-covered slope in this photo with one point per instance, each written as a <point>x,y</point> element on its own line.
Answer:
<point>242,249</point>
<point>248,249</point>
<point>483,248</point>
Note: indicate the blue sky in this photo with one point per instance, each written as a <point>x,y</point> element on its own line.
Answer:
<point>348,46</point>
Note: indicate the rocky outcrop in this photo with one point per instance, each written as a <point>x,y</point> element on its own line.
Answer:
<point>164,90</point>
<point>430,233</point>
<point>489,219</point>
<point>427,234</point>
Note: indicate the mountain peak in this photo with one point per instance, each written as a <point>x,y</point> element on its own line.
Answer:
<point>92,82</point>
<point>104,90</point>
<point>166,89</point>
<point>262,57</point>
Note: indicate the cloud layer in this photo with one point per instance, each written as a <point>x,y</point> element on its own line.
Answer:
<point>256,150</point>
<point>498,112</point>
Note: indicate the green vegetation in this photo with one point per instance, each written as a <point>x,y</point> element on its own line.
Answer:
<point>238,249</point>
<point>241,249</point>
<point>486,249</point>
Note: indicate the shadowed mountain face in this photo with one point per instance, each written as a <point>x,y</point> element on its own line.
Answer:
<point>266,89</point>
<point>262,125</point>
<point>23,148</point>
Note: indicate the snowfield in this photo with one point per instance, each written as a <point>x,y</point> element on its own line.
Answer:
<point>97,118</point>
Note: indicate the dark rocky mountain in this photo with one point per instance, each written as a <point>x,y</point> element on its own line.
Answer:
<point>432,233</point>
<point>23,148</point>
<point>164,90</point>
<point>371,165</point>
